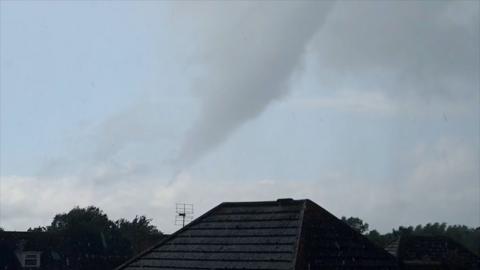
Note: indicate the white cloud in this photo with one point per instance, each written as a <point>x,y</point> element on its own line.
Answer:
<point>30,201</point>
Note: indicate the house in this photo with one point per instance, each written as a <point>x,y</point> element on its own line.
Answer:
<point>416,252</point>
<point>30,250</point>
<point>284,234</point>
<point>55,251</point>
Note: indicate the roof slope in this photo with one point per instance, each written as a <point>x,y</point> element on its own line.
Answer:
<point>329,243</point>
<point>277,235</point>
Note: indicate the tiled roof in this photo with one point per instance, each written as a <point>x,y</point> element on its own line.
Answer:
<point>30,241</point>
<point>275,235</point>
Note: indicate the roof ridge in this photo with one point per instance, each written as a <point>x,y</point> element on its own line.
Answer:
<point>272,202</point>
<point>299,234</point>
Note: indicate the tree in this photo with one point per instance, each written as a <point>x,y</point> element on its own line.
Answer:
<point>376,237</point>
<point>92,241</point>
<point>356,224</point>
<point>140,232</point>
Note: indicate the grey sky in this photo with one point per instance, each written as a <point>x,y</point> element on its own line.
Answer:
<point>370,108</point>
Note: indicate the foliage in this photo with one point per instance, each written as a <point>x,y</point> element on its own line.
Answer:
<point>90,238</point>
<point>93,241</point>
<point>140,232</point>
<point>357,224</point>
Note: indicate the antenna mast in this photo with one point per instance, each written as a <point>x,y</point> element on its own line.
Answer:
<point>184,214</point>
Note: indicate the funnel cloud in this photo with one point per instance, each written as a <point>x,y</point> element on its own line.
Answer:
<point>249,54</point>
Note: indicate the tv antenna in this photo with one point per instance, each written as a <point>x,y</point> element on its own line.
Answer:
<point>184,213</point>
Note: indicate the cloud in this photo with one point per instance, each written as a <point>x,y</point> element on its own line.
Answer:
<point>125,146</point>
<point>439,182</point>
<point>422,49</point>
<point>248,53</point>
<point>377,58</point>
<point>404,57</point>
<point>127,198</point>
<point>31,201</point>
<point>380,103</point>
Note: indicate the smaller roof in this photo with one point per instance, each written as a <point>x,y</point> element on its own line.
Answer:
<point>442,251</point>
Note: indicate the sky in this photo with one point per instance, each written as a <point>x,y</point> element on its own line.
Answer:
<point>369,108</point>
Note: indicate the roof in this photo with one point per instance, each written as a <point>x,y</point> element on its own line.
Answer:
<point>433,250</point>
<point>282,234</point>
<point>46,243</point>
<point>30,241</point>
